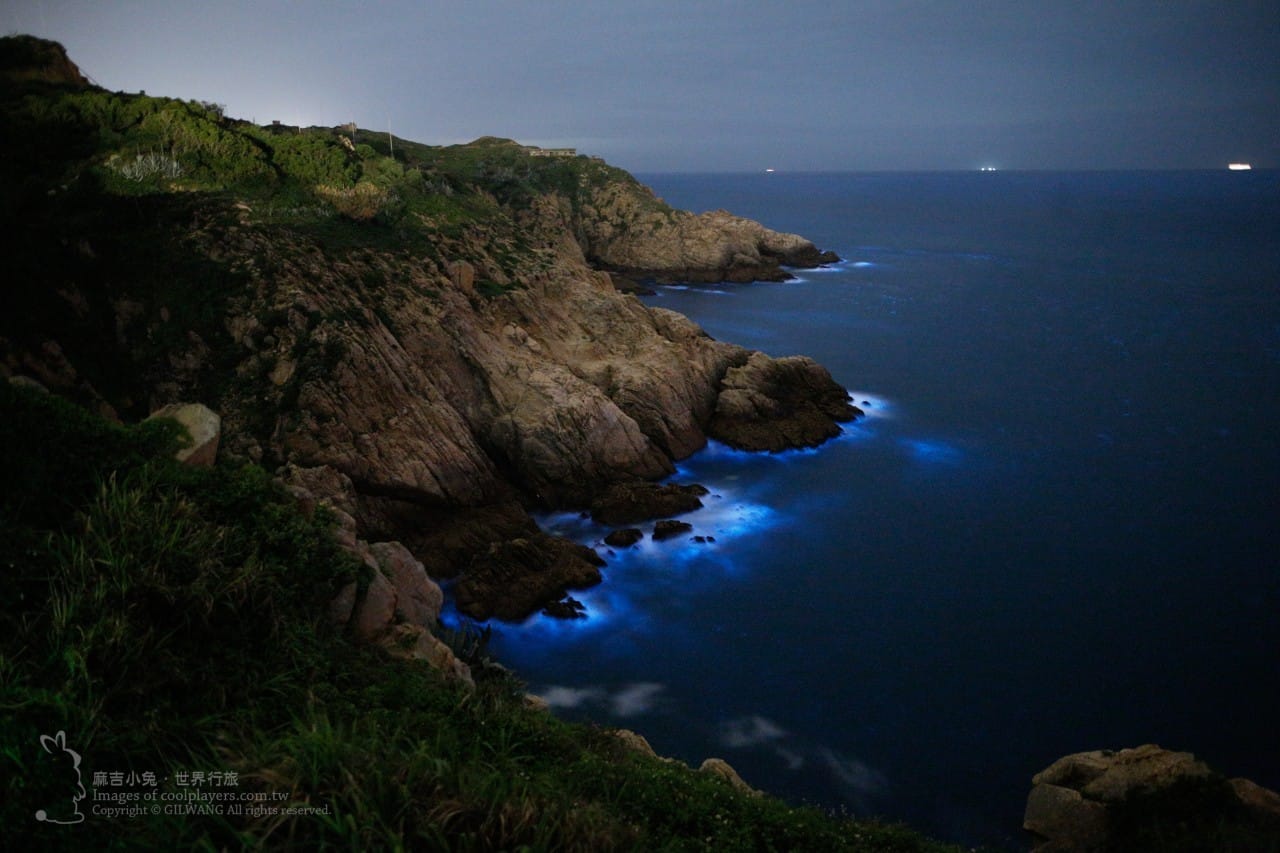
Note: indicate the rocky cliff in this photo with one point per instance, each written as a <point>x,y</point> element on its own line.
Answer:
<point>434,325</point>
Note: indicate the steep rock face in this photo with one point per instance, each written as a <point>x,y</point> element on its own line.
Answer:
<point>626,229</point>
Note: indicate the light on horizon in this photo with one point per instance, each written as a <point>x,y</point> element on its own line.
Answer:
<point>1239,167</point>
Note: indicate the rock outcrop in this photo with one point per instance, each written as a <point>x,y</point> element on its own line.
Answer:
<point>721,769</point>
<point>624,538</point>
<point>626,229</point>
<point>1144,798</point>
<point>670,528</point>
<point>400,606</point>
<point>776,404</point>
<point>628,503</point>
<point>513,579</point>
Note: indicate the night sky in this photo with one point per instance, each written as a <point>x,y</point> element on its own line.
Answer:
<point>682,85</point>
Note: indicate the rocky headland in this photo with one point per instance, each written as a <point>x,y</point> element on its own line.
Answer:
<point>430,338</point>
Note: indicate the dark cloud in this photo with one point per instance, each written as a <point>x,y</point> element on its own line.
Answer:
<point>726,85</point>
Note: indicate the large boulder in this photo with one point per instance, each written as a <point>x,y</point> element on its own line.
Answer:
<point>1145,798</point>
<point>202,424</point>
<point>512,580</point>
<point>628,503</point>
<point>776,404</point>
<point>670,528</point>
<point>418,598</point>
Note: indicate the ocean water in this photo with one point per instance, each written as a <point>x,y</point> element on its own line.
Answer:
<point>1055,530</point>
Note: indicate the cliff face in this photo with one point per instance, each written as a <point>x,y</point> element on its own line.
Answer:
<point>432,326</point>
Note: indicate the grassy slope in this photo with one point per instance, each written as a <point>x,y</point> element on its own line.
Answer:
<point>169,620</point>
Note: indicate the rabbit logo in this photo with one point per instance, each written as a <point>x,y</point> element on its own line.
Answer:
<point>57,747</point>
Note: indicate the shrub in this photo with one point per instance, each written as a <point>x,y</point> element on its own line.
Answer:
<point>149,166</point>
<point>362,202</point>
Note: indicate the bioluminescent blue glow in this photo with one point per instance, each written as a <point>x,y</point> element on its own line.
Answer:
<point>713,291</point>
<point>825,268</point>
<point>873,406</point>
<point>639,579</point>
<point>933,451</point>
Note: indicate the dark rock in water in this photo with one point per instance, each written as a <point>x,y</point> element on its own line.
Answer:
<point>808,257</point>
<point>711,538</point>
<point>569,608</point>
<point>624,538</point>
<point>628,503</point>
<point>668,529</point>
<point>625,284</point>
<point>777,404</point>
<point>1146,798</point>
<point>515,579</point>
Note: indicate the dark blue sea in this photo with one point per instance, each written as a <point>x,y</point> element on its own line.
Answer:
<point>1057,528</point>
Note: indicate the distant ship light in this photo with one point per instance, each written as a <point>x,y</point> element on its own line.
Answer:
<point>1239,167</point>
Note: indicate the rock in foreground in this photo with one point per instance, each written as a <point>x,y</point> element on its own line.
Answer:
<point>1146,798</point>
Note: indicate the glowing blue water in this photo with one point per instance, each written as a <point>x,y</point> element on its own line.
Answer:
<point>1054,531</point>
